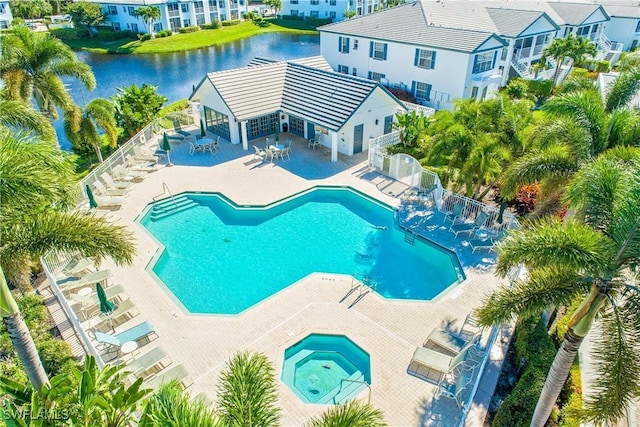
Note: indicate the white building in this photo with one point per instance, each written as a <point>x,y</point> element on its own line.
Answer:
<point>333,9</point>
<point>404,48</point>
<point>5,15</point>
<point>174,14</point>
<point>624,27</point>
<point>303,97</point>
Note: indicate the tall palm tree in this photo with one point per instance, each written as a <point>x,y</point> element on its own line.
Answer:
<point>247,392</point>
<point>149,14</point>
<point>353,414</point>
<point>576,48</point>
<point>593,256</point>
<point>32,66</point>
<point>18,115</point>
<point>37,189</point>
<point>578,127</point>
<point>97,114</point>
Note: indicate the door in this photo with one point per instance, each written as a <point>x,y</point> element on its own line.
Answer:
<point>311,130</point>
<point>357,138</point>
<point>388,124</point>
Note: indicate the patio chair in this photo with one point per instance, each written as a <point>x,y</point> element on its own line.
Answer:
<point>113,184</point>
<point>144,166</point>
<point>124,174</point>
<point>177,128</point>
<point>448,341</point>
<point>77,267</point>
<point>216,143</point>
<point>469,227</point>
<point>454,213</point>
<point>260,153</point>
<point>95,277</point>
<point>441,362</point>
<point>151,359</point>
<point>102,190</point>
<point>126,310</point>
<point>287,144</point>
<point>109,202</point>
<point>454,385</point>
<point>270,153</point>
<point>284,152</point>
<point>134,333</point>
<point>313,143</point>
<point>177,372</point>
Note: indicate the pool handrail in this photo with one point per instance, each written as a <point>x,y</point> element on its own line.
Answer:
<point>357,382</point>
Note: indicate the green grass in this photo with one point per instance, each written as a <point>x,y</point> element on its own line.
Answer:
<point>189,41</point>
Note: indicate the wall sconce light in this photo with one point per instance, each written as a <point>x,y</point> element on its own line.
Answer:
<point>282,117</point>
<point>377,121</point>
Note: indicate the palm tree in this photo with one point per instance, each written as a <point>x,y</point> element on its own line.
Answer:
<point>247,392</point>
<point>149,14</point>
<point>18,115</point>
<point>353,414</point>
<point>578,127</point>
<point>576,48</point>
<point>170,405</point>
<point>32,66</point>
<point>594,257</point>
<point>97,114</point>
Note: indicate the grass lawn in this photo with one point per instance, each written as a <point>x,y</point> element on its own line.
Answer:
<point>199,39</point>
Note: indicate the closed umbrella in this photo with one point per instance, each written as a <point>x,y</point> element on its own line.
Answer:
<point>203,133</point>
<point>503,206</point>
<point>92,200</point>
<point>106,306</point>
<point>166,147</point>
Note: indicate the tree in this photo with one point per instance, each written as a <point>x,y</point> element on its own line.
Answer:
<point>30,9</point>
<point>85,14</point>
<point>353,414</point>
<point>33,65</point>
<point>576,48</point>
<point>247,391</point>
<point>149,14</point>
<point>136,107</point>
<point>412,126</point>
<point>349,13</point>
<point>276,5</point>
<point>17,115</point>
<point>594,257</point>
<point>97,114</point>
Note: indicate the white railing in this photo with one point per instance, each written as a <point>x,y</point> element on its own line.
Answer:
<point>520,65</point>
<point>52,264</point>
<point>427,111</point>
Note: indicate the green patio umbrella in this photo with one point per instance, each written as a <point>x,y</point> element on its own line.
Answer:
<point>106,306</point>
<point>278,134</point>
<point>92,200</point>
<point>166,147</point>
<point>503,206</point>
<point>203,133</point>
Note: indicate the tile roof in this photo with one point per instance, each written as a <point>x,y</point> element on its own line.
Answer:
<point>622,11</point>
<point>310,61</point>
<point>512,22</point>
<point>411,24</point>
<point>574,13</point>
<point>325,98</point>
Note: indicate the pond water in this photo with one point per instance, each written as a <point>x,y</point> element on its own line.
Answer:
<point>175,74</point>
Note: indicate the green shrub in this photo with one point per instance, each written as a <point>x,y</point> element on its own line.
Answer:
<point>55,355</point>
<point>164,33</point>
<point>69,33</point>
<point>517,89</point>
<point>215,24</point>
<point>250,16</point>
<point>110,35</point>
<point>230,22</point>
<point>144,37</point>
<point>571,399</point>
<point>189,29</point>
<point>292,17</point>
<point>603,66</point>
<point>540,88</point>
<point>317,22</point>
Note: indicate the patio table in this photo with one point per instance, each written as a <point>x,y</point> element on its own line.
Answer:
<point>277,147</point>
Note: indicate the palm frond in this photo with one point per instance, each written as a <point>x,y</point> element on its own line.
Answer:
<point>623,89</point>
<point>18,115</point>
<point>544,287</point>
<point>570,245</point>
<point>618,368</point>
<point>353,414</point>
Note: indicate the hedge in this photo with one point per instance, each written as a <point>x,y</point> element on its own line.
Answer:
<point>540,88</point>
<point>215,24</point>
<point>69,33</point>
<point>230,22</point>
<point>190,29</point>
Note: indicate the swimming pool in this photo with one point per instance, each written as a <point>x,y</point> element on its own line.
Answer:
<point>222,258</point>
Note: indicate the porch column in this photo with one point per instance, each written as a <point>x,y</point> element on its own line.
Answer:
<point>334,146</point>
<point>305,133</point>
<point>243,135</point>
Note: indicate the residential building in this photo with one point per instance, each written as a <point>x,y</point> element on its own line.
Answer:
<point>333,9</point>
<point>174,14</point>
<point>624,27</point>
<point>304,97</point>
<point>5,15</point>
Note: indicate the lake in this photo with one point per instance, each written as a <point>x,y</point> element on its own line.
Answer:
<point>175,74</point>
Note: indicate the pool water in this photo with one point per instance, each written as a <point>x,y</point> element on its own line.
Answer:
<point>326,369</point>
<point>221,258</point>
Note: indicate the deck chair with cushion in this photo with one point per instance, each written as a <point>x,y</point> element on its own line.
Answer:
<point>102,190</point>
<point>71,283</point>
<point>109,202</point>
<point>134,333</point>
<point>78,267</point>
<point>155,358</point>
<point>125,310</point>
<point>454,213</point>
<point>121,173</point>
<point>455,386</point>
<point>469,227</point>
<point>259,154</point>
<point>177,128</point>
<point>178,373</point>
<point>142,165</point>
<point>432,360</point>
<point>447,341</point>
<point>114,184</point>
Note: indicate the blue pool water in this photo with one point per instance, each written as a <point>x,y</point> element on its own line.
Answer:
<point>220,258</point>
<point>326,369</point>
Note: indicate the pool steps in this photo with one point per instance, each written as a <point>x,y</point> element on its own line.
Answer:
<point>170,206</point>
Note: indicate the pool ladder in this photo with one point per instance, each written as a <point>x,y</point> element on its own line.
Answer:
<point>165,190</point>
<point>342,381</point>
<point>409,236</point>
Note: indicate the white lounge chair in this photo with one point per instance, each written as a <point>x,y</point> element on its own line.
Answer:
<point>144,166</point>
<point>72,283</point>
<point>151,359</point>
<point>469,227</point>
<point>123,174</point>
<point>134,333</point>
<point>177,372</point>
<point>101,190</point>
<point>112,184</point>
<point>454,386</point>
<point>259,154</point>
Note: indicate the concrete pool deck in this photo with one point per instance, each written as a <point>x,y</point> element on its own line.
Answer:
<point>389,330</point>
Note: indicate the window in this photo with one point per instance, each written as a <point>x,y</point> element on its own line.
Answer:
<point>343,44</point>
<point>157,27</point>
<point>484,62</point>
<point>221,4</point>
<point>200,19</point>
<point>421,90</point>
<point>199,8</point>
<point>113,10</point>
<point>296,126</point>
<point>173,9</point>
<point>131,10</point>
<point>638,27</point>
<point>294,1</point>
<point>184,7</point>
<point>355,44</point>
<point>314,2</point>
<point>378,50</point>
<point>212,4</point>
<point>4,25</point>
<point>187,22</point>
<point>541,40</point>
<point>260,126</point>
<point>484,92</point>
<point>343,69</point>
<point>217,122</point>
<point>332,15</point>
<point>425,59</point>
<point>354,71</point>
<point>583,31</point>
<point>474,92</point>
<point>376,76</point>
<point>314,13</point>
<point>332,2</point>
<point>294,12</point>
<point>3,9</point>
<point>116,26</point>
<point>134,28</point>
<point>524,46</point>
